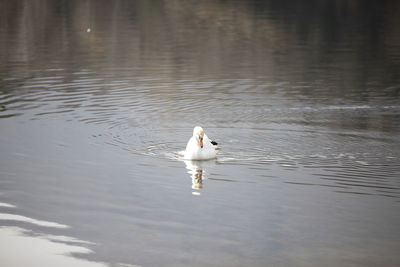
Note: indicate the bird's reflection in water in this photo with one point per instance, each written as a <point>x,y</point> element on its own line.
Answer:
<point>197,179</point>
<point>198,171</point>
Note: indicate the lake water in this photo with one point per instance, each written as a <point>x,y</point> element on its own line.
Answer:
<point>98,97</point>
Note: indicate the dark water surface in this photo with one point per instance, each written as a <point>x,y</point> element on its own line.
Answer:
<point>98,97</point>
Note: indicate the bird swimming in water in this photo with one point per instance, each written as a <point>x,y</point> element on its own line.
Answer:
<point>200,147</point>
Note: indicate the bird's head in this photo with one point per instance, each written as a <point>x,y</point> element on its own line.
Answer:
<point>198,133</point>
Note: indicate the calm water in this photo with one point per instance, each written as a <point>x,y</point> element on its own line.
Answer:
<point>98,97</point>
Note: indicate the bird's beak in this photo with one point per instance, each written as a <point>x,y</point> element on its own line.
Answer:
<point>201,141</point>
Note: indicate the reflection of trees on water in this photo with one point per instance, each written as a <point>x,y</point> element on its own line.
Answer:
<point>322,50</point>
<point>208,37</point>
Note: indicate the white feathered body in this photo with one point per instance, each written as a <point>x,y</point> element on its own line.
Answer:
<point>195,152</point>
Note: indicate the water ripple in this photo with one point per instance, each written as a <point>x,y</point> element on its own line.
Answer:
<point>258,123</point>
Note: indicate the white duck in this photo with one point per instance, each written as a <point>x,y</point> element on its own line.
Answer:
<point>200,147</point>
